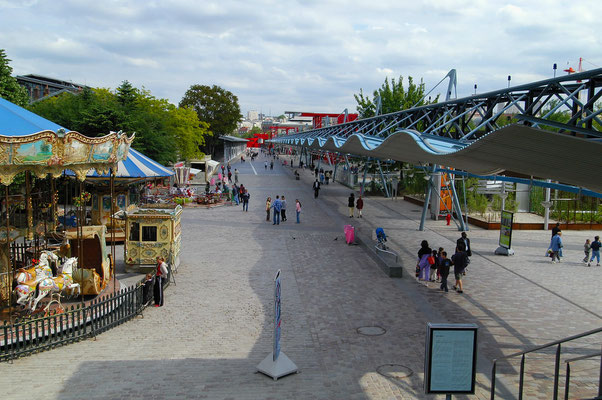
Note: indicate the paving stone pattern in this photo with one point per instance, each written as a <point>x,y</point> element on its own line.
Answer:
<point>216,325</point>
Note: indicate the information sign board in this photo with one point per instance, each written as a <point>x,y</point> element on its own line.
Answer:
<point>506,229</point>
<point>450,359</point>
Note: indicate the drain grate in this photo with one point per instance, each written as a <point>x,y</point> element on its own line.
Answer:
<point>371,330</point>
<point>394,371</point>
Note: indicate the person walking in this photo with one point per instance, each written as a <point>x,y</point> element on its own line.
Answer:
<point>351,204</point>
<point>316,189</point>
<point>466,242</point>
<point>245,200</point>
<point>423,266</point>
<point>159,277</point>
<point>277,206</point>
<point>460,261</point>
<point>283,209</point>
<point>595,246</point>
<point>235,194</point>
<point>587,248</point>
<point>265,165</point>
<point>235,175</point>
<point>268,206</point>
<point>298,210</point>
<point>223,168</point>
<point>556,247</point>
<point>359,204</point>
<point>444,265</point>
<point>229,175</point>
<point>271,164</point>
<point>228,168</point>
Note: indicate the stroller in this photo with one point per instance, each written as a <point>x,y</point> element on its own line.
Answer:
<point>382,238</point>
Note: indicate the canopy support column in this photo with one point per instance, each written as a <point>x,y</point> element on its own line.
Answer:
<point>364,179</point>
<point>382,177</point>
<point>427,200</point>
<point>456,203</point>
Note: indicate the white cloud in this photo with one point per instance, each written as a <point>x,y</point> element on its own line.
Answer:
<point>310,54</point>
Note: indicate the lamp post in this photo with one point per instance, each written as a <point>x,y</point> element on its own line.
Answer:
<point>509,79</point>
<point>555,67</point>
<point>475,88</point>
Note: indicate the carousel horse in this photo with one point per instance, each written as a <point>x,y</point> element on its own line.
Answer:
<point>23,293</point>
<point>31,276</point>
<point>59,284</point>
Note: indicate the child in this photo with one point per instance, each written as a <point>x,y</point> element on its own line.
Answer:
<point>444,265</point>
<point>433,266</point>
<point>586,250</point>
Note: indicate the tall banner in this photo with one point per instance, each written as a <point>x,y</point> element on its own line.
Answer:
<point>506,229</point>
<point>277,315</point>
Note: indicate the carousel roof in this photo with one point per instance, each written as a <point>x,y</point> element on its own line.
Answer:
<point>17,121</point>
<point>31,143</point>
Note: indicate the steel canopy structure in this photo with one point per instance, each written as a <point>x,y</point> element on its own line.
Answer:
<point>472,133</point>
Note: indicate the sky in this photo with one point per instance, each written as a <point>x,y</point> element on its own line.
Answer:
<point>310,55</point>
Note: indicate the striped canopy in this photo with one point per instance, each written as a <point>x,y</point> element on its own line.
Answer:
<point>136,166</point>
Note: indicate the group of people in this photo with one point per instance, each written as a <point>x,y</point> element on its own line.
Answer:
<point>279,209</point>
<point>591,249</point>
<point>323,176</point>
<point>240,194</point>
<point>434,265</point>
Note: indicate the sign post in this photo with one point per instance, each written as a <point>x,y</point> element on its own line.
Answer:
<point>450,362</point>
<point>277,364</point>
<point>505,242</point>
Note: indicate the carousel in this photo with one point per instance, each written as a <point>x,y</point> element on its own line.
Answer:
<point>41,250</point>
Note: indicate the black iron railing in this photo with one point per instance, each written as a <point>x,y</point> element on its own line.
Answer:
<point>558,344</point>
<point>34,334</point>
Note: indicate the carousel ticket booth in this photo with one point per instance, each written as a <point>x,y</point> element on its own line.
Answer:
<point>152,232</point>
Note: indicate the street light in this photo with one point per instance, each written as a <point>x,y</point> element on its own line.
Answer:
<point>475,88</point>
<point>509,79</point>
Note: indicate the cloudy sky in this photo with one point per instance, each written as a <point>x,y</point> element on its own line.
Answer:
<point>309,55</point>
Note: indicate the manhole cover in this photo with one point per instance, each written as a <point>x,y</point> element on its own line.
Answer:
<point>371,330</point>
<point>394,371</point>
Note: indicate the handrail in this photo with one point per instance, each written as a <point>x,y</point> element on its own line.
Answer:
<point>387,251</point>
<point>537,348</point>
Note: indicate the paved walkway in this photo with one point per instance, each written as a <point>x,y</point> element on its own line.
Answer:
<point>216,325</point>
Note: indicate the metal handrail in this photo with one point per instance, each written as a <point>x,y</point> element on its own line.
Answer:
<point>567,380</point>
<point>387,251</point>
<point>537,348</point>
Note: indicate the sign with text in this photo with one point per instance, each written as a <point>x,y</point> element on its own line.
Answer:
<point>277,315</point>
<point>506,229</point>
<point>450,359</point>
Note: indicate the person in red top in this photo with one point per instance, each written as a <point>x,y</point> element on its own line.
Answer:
<point>159,277</point>
<point>359,205</point>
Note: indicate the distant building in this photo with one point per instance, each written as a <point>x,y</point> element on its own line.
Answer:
<point>252,115</point>
<point>40,87</point>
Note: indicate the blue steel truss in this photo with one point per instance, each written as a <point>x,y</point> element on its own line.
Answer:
<point>467,119</point>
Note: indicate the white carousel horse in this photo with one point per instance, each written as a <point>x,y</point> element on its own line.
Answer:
<point>26,279</point>
<point>62,282</point>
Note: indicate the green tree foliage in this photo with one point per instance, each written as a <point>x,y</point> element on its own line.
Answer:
<point>217,107</point>
<point>9,88</point>
<point>164,132</point>
<point>393,96</point>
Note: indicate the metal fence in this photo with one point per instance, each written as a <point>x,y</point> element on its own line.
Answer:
<point>30,335</point>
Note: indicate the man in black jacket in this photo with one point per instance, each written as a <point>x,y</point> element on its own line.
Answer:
<point>465,241</point>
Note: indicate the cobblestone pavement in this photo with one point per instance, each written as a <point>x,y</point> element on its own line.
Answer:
<point>216,325</point>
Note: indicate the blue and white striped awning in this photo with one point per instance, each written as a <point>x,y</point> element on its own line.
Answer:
<point>136,165</point>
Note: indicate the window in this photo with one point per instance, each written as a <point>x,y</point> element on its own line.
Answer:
<point>135,231</point>
<point>149,233</point>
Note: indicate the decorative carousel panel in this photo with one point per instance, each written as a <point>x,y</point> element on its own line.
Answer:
<point>39,152</point>
<point>77,151</point>
<point>49,152</point>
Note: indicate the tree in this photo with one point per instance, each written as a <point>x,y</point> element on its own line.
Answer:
<point>217,107</point>
<point>393,97</point>
<point>9,88</point>
<point>164,132</point>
